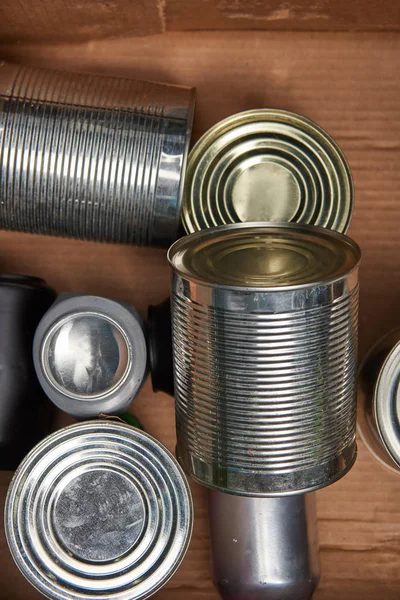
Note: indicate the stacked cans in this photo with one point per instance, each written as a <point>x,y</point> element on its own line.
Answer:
<point>264,320</point>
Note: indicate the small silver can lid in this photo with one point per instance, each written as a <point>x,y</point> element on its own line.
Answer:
<point>90,355</point>
<point>98,509</point>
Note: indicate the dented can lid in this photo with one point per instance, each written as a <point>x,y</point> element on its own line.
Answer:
<point>98,509</point>
<point>267,165</point>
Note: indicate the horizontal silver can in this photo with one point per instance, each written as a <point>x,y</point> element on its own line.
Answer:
<point>98,510</point>
<point>264,319</point>
<point>92,157</point>
<point>378,390</point>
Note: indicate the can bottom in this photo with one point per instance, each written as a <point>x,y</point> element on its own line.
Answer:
<point>260,484</point>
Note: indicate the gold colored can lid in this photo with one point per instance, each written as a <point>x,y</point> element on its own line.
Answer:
<point>267,165</point>
<point>264,255</point>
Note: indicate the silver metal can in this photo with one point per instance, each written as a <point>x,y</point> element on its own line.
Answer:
<point>264,548</point>
<point>264,320</point>
<point>90,355</point>
<point>91,157</point>
<point>267,165</point>
<point>378,392</point>
<point>98,509</point>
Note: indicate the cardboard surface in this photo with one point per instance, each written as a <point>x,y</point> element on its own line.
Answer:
<point>349,84</point>
<point>80,20</point>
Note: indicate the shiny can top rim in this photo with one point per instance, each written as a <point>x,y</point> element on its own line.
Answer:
<point>386,404</point>
<point>209,164</point>
<point>147,470</point>
<point>131,326</point>
<point>178,252</point>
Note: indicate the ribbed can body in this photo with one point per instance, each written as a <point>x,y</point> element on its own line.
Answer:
<point>265,384</point>
<point>92,157</point>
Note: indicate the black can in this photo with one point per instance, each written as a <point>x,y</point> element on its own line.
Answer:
<point>25,413</point>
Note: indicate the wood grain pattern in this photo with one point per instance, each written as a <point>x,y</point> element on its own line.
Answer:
<point>349,84</point>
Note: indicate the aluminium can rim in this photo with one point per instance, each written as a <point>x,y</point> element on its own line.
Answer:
<point>263,115</point>
<point>367,427</point>
<point>199,236</point>
<point>131,325</point>
<point>168,508</point>
<point>385,404</point>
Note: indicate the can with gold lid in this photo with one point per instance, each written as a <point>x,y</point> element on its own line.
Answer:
<point>264,319</point>
<point>98,510</point>
<point>267,165</point>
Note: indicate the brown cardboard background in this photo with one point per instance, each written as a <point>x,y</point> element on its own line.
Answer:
<point>80,20</point>
<point>348,83</point>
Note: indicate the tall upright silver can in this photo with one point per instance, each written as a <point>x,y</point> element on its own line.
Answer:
<point>92,157</point>
<point>265,351</point>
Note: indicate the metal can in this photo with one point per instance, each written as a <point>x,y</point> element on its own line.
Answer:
<point>264,548</point>
<point>98,509</point>
<point>90,355</point>
<point>378,414</point>
<point>264,320</point>
<point>267,165</point>
<point>92,157</point>
<point>160,347</point>
<point>25,415</point>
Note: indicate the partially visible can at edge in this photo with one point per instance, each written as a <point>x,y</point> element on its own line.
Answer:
<point>378,413</point>
<point>98,509</point>
<point>90,355</point>
<point>264,548</point>
<point>267,165</point>
<point>264,320</point>
<point>92,157</point>
<point>26,416</point>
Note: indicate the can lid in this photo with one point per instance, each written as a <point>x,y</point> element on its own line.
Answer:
<point>90,355</point>
<point>98,509</point>
<point>387,404</point>
<point>267,165</point>
<point>264,255</point>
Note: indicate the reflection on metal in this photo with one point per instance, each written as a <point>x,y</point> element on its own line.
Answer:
<point>264,321</point>
<point>87,355</point>
<point>264,548</point>
<point>90,355</point>
<point>92,157</point>
<point>98,509</point>
<point>379,401</point>
<point>267,165</point>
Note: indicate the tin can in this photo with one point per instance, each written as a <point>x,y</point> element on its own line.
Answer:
<point>264,548</point>
<point>267,165</point>
<point>160,347</point>
<point>378,414</point>
<point>25,415</point>
<point>98,509</point>
<point>264,320</point>
<point>90,355</point>
<point>91,157</point>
